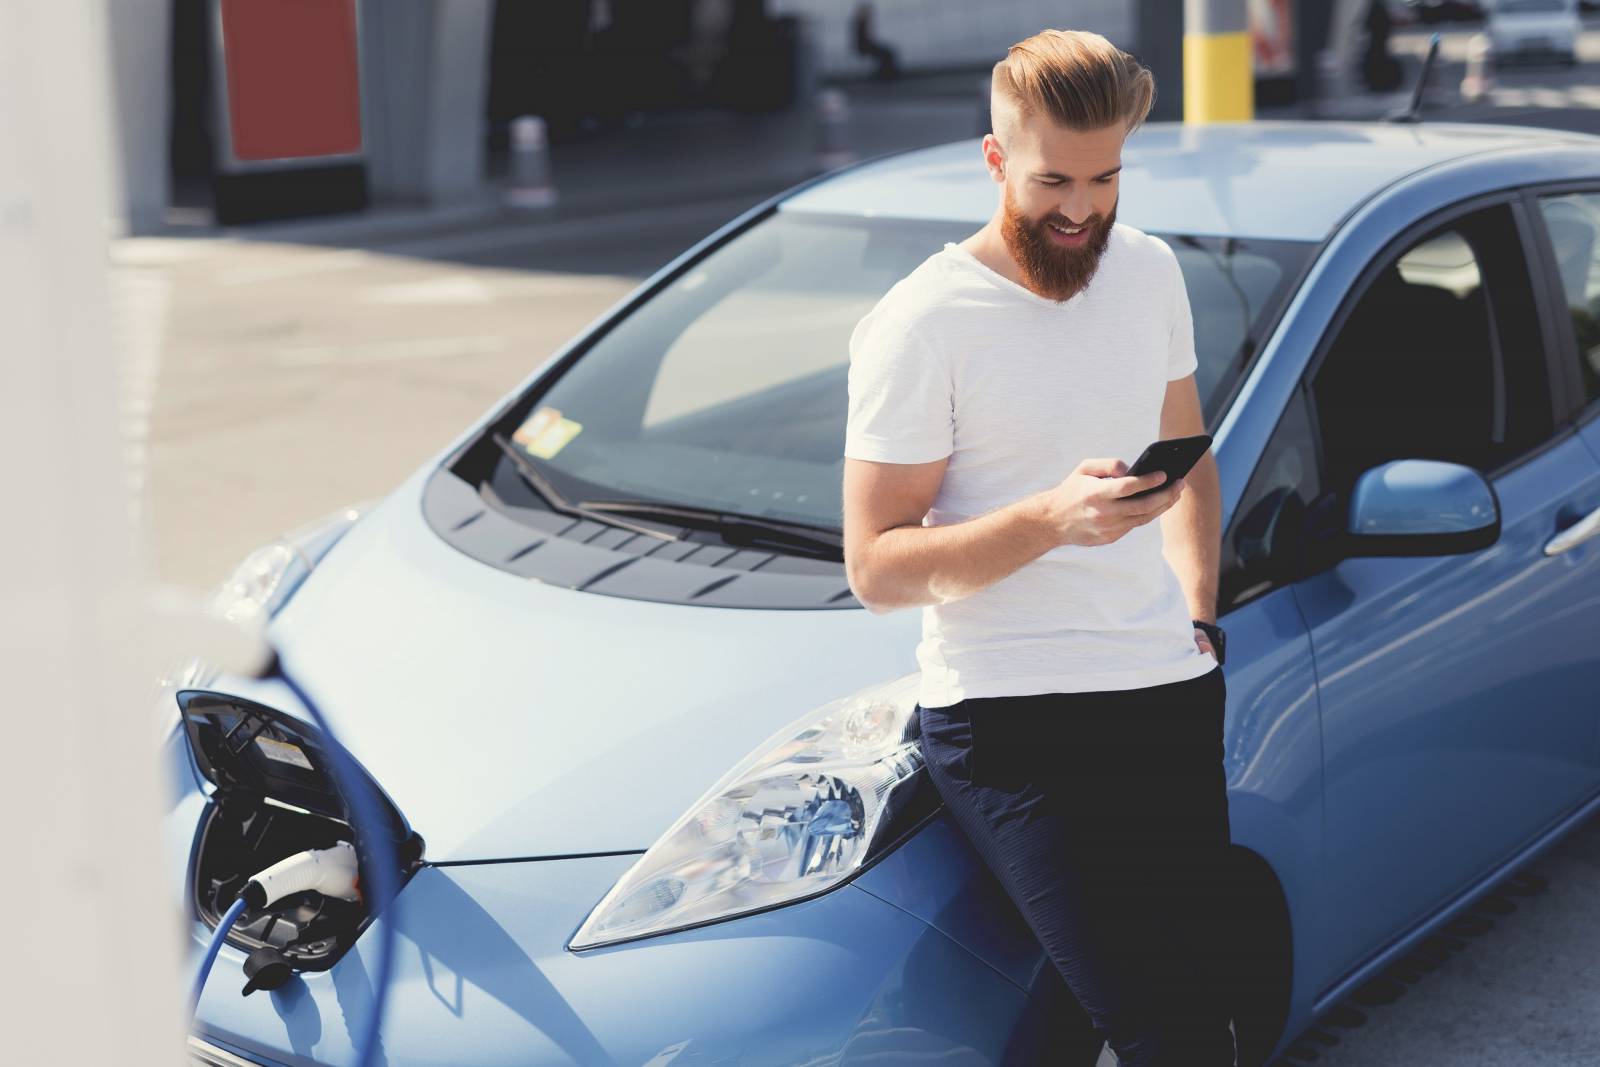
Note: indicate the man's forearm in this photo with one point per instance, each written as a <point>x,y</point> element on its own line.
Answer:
<point>1192,538</point>
<point>910,566</point>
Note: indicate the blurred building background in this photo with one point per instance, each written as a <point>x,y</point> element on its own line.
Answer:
<point>410,102</point>
<point>324,275</point>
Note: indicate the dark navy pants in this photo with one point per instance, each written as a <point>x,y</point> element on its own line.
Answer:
<point>1104,815</point>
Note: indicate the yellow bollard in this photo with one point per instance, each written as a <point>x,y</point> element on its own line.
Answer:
<point>1218,74</point>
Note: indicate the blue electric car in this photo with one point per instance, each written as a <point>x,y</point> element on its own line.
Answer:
<point>650,771</point>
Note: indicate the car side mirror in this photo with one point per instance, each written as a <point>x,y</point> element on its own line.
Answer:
<point>1421,507</point>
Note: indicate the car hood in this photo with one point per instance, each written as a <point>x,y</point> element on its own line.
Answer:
<point>508,718</point>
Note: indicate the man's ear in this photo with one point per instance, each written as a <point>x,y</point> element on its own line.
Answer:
<point>994,157</point>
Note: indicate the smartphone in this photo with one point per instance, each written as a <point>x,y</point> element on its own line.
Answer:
<point>1175,456</point>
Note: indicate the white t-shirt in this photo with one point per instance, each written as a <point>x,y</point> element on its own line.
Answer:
<point>957,360</point>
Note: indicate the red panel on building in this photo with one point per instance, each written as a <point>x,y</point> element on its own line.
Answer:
<point>293,78</point>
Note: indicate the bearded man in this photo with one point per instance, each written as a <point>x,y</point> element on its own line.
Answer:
<point>1071,691</point>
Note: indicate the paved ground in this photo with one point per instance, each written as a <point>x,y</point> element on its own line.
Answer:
<point>281,382</point>
<point>275,375</point>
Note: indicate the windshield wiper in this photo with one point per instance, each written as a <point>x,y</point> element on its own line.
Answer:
<point>736,528</point>
<point>552,496</point>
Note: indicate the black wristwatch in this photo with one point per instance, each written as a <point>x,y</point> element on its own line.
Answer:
<point>1217,636</point>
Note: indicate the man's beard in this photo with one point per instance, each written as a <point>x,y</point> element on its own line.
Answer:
<point>1053,271</point>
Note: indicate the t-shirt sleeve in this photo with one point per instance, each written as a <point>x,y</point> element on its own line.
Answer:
<point>1181,359</point>
<point>900,395</point>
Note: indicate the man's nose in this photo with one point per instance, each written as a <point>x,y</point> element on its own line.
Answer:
<point>1077,208</point>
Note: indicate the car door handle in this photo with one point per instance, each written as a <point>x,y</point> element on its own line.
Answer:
<point>1574,535</point>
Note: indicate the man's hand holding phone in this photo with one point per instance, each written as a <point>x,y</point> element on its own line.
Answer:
<point>1091,506</point>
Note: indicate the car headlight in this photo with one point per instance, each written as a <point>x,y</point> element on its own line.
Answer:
<point>262,583</point>
<point>268,577</point>
<point>795,818</point>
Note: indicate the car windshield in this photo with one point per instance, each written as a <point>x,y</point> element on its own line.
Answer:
<point>726,389</point>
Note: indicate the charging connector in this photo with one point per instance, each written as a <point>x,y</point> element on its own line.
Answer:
<point>333,872</point>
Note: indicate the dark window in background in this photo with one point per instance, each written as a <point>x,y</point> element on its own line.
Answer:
<point>585,66</point>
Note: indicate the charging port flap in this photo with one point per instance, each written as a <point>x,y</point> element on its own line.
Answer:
<point>275,796</point>
<point>246,747</point>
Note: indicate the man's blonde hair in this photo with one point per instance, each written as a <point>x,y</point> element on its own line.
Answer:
<point>1078,79</point>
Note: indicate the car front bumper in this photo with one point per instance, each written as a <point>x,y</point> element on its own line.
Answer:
<point>482,976</point>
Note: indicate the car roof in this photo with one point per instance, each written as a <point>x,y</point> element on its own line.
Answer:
<point>1273,178</point>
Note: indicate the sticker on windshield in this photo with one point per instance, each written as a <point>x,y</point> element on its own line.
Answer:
<point>546,432</point>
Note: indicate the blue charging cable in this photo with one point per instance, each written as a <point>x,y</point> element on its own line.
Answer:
<point>218,936</point>
<point>369,827</point>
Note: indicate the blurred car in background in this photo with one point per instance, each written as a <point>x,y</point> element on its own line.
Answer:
<point>1521,30</point>
<point>654,773</point>
<point>1432,11</point>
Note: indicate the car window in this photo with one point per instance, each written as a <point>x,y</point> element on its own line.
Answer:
<point>727,388</point>
<point>1441,357</point>
<point>1236,288</point>
<point>1573,223</point>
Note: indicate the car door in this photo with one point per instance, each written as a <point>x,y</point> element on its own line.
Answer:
<point>1456,691</point>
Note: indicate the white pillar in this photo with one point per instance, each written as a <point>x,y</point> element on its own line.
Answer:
<point>425,72</point>
<point>141,82</point>
<point>1346,29</point>
<point>92,954</point>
